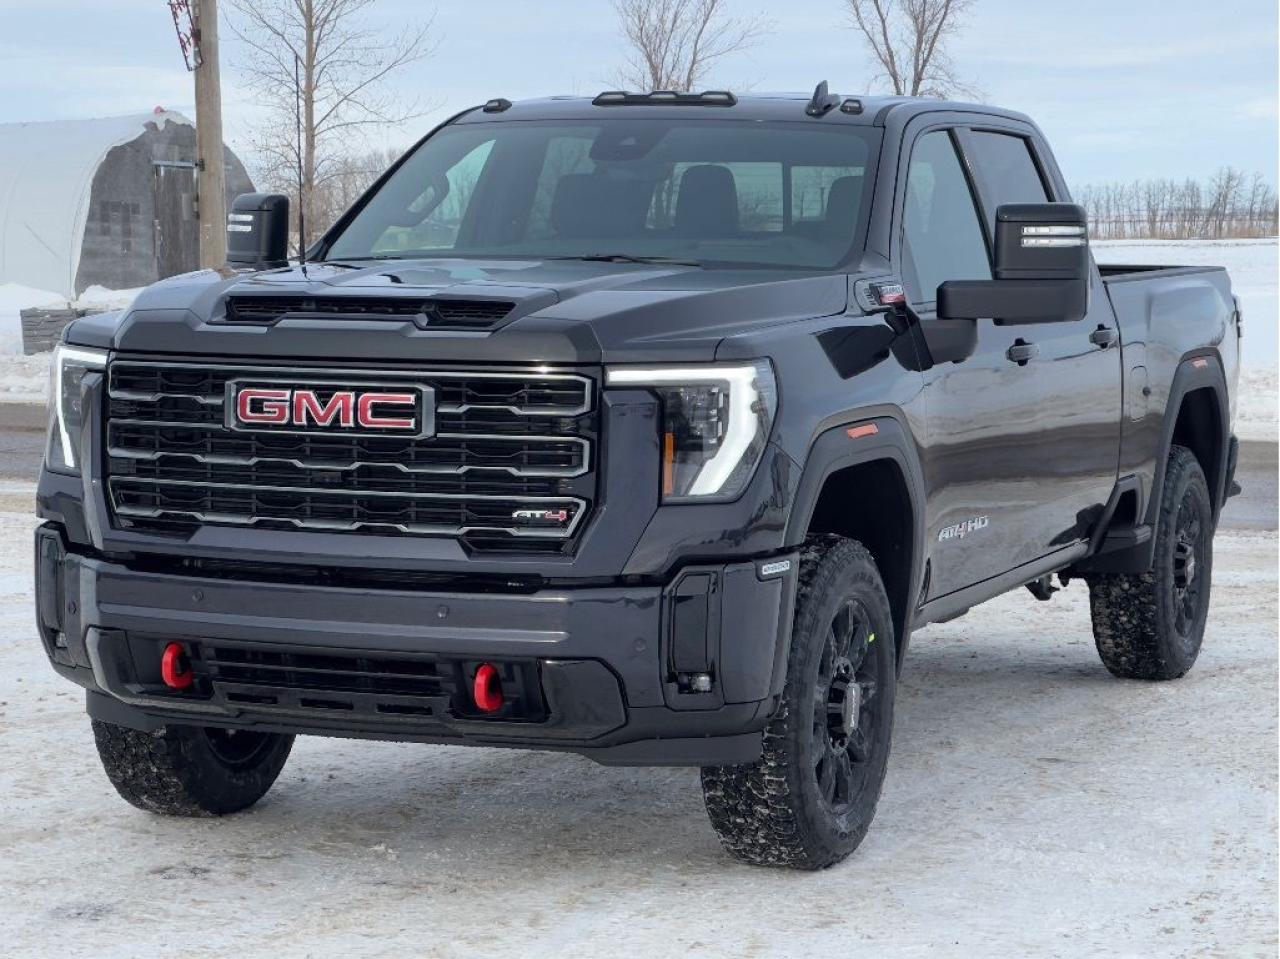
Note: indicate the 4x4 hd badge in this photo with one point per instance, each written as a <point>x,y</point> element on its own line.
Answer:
<point>961,530</point>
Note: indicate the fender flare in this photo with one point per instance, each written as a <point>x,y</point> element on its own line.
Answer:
<point>833,450</point>
<point>1198,369</point>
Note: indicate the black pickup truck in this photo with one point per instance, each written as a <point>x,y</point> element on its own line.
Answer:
<point>646,426</point>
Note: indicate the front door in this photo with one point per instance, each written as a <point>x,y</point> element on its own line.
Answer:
<point>983,455</point>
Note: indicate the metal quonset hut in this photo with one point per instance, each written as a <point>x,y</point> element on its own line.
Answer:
<point>107,202</point>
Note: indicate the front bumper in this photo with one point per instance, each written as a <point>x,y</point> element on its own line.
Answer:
<point>597,666</point>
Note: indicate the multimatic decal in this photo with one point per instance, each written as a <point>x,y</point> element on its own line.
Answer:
<point>961,530</point>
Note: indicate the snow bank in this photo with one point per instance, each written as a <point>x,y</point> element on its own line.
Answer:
<point>14,298</point>
<point>25,379</point>
<point>99,298</point>
<point>1256,413</point>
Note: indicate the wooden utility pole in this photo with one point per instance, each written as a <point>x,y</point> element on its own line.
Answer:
<point>211,177</point>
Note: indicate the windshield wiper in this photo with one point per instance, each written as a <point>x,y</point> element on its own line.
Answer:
<point>628,258</point>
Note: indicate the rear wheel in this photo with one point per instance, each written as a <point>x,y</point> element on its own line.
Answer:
<point>809,800</point>
<point>1151,625</point>
<point>191,770</point>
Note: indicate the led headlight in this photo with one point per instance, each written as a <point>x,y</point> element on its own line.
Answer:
<point>66,417</point>
<point>715,423</point>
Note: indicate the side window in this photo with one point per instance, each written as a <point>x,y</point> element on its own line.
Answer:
<point>1008,171</point>
<point>942,234</point>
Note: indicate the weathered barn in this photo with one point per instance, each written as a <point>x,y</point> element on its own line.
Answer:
<point>107,202</point>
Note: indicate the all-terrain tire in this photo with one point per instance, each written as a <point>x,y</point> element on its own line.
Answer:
<point>190,770</point>
<point>800,805</point>
<point>1151,625</point>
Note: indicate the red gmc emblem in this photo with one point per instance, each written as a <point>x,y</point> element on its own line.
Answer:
<point>310,409</point>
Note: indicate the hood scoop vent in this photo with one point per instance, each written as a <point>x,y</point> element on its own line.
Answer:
<point>428,313</point>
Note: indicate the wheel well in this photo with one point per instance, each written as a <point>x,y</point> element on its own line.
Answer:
<point>1199,429</point>
<point>870,502</point>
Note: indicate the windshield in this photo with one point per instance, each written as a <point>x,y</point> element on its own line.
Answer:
<point>714,193</point>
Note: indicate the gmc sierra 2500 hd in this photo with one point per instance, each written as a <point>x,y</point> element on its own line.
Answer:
<point>646,426</point>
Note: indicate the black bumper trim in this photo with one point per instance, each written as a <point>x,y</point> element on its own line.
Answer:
<point>598,651</point>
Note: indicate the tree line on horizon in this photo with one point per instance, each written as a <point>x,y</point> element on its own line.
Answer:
<point>323,71</point>
<point>1229,205</point>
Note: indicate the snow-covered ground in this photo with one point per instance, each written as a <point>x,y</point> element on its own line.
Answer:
<point>1034,807</point>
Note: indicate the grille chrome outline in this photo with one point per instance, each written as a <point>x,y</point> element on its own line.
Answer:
<point>295,374</point>
<point>245,519</point>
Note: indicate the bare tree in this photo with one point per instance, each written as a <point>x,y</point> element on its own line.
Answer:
<point>321,59</point>
<point>909,40</point>
<point>675,43</point>
<point>1227,206</point>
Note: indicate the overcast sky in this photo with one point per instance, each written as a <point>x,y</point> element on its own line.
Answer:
<point>1123,88</point>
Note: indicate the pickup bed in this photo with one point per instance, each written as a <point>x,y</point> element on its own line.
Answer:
<point>647,426</point>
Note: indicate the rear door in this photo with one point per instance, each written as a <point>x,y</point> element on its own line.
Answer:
<point>1076,366</point>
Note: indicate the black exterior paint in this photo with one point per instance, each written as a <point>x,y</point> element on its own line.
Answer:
<point>1039,450</point>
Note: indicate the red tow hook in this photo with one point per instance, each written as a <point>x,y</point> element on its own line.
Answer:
<point>175,668</point>
<point>487,689</point>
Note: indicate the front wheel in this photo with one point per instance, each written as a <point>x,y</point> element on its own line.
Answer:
<point>809,800</point>
<point>190,770</point>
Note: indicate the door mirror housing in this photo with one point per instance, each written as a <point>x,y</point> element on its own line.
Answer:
<point>258,231</point>
<point>1042,269</point>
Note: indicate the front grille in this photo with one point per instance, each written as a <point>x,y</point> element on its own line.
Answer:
<point>508,467</point>
<point>472,315</point>
<point>370,686</point>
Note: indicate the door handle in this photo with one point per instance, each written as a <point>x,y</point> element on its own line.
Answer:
<point>1022,352</point>
<point>1103,337</point>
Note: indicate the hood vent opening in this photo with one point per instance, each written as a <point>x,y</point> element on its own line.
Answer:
<point>430,314</point>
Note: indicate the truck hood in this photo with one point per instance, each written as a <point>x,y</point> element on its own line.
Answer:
<point>566,311</point>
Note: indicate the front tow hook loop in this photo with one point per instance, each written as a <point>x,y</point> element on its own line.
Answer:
<point>175,668</point>
<point>487,690</point>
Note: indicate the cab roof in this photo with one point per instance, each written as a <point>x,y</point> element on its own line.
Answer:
<point>828,108</point>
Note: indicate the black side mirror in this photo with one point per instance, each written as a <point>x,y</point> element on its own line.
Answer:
<point>1042,269</point>
<point>258,231</point>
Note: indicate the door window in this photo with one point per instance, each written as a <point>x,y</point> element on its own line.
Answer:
<point>942,234</point>
<point>1008,171</point>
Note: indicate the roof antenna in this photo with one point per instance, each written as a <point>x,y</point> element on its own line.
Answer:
<point>822,102</point>
<point>302,203</point>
